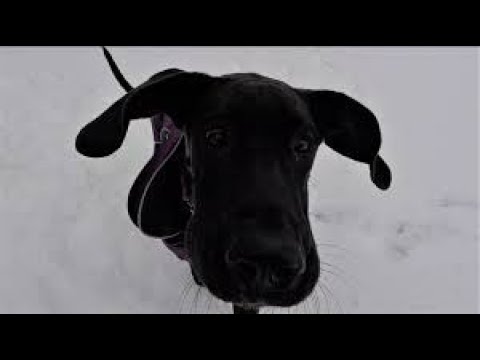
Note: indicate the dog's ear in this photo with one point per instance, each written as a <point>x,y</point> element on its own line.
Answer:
<point>173,92</point>
<point>350,129</point>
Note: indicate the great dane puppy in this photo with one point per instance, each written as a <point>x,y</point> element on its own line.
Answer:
<point>226,187</point>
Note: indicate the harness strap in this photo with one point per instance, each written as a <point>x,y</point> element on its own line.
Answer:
<point>167,138</point>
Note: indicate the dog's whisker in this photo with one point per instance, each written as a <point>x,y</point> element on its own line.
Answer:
<point>317,302</point>
<point>335,247</point>
<point>209,303</point>
<point>199,300</point>
<point>334,276</point>
<point>215,304</point>
<point>350,281</point>
<point>189,297</point>
<point>195,300</point>
<point>185,292</point>
<point>182,295</point>
<point>336,255</point>
<point>334,298</point>
<point>311,305</point>
<point>305,307</point>
<point>325,297</point>
<point>205,296</point>
<point>319,298</point>
<point>190,293</point>
<point>298,309</point>
<point>333,267</point>
<point>305,311</point>
<point>336,308</point>
<point>333,273</point>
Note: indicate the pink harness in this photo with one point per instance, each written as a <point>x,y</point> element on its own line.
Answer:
<point>167,138</point>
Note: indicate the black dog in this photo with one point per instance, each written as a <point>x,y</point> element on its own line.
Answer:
<point>233,195</point>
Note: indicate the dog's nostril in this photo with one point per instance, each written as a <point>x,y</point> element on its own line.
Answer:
<point>241,268</point>
<point>262,264</point>
<point>246,271</point>
<point>282,275</point>
<point>266,274</point>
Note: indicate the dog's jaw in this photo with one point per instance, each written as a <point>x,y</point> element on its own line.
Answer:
<point>246,309</point>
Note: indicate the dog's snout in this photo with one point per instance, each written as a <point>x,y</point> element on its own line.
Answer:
<point>265,265</point>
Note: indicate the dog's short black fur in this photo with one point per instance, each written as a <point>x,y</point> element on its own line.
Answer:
<point>249,145</point>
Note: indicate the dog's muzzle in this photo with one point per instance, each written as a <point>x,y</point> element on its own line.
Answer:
<point>261,265</point>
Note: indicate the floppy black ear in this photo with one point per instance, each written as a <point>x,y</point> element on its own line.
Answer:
<point>350,129</point>
<point>173,92</point>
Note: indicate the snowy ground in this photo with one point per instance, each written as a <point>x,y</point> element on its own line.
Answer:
<point>67,244</point>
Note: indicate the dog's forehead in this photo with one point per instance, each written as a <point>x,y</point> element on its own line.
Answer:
<point>254,100</point>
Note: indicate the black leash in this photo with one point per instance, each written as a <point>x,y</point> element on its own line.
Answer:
<point>116,71</point>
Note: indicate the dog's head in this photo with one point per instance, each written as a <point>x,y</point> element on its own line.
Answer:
<point>249,145</point>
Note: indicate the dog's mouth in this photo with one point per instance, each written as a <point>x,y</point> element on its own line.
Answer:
<point>247,308</point>
<point>250,306</point>
<point>250,299</point>
<point>255,271</point>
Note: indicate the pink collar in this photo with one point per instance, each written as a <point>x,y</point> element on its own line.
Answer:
<point>167,138</point>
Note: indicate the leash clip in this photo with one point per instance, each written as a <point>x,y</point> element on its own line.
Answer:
<point>163,136</point>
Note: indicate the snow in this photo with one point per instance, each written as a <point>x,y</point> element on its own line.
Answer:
<point>68,245</point>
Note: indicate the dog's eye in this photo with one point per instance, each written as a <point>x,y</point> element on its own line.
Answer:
<point>303,146</point>
<point>216,137</point>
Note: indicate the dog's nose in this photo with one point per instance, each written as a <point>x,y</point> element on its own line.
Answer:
<point>265,266</point>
